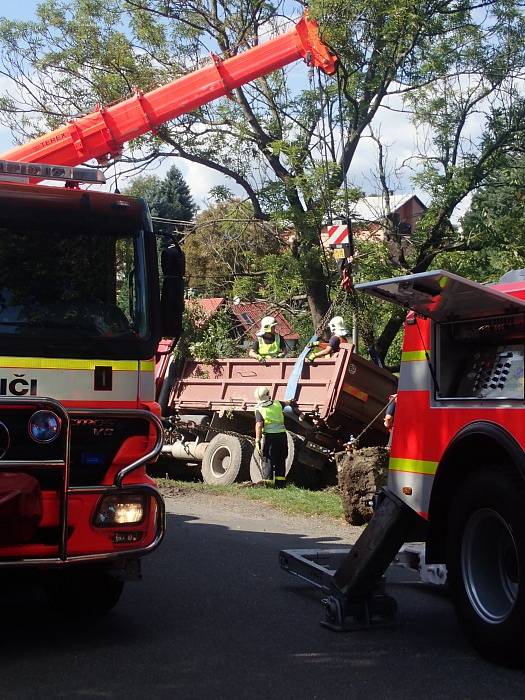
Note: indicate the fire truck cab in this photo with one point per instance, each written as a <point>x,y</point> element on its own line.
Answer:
<point>457,461</point>
<point>81,315</point>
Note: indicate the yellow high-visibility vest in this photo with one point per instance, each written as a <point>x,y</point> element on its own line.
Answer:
<point>270,349</point>
<point>273,417</point>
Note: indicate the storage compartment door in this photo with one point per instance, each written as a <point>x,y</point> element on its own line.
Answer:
<point>444,296</point>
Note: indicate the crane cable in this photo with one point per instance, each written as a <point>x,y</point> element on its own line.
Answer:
<point>348,267</point>
<point>343,163</point>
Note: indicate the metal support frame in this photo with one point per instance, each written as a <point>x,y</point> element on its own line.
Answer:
<point>353,578</point>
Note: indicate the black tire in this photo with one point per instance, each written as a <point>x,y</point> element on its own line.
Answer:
<point>486,564</point>
<point>226,460</point>
<point>255,461</point>
<point>87,592</point>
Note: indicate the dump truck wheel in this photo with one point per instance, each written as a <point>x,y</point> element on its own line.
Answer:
<point>486,564</point>
<point>83,592</point>
<point>226,460</point>
<point>255,462</point>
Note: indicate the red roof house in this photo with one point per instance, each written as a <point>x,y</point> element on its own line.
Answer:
<point>208,307</point>
<point>247,317</point>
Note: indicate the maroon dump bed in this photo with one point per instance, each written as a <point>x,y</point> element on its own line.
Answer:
<point>344,390</point>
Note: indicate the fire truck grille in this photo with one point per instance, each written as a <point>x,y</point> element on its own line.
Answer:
<point>95,442</point>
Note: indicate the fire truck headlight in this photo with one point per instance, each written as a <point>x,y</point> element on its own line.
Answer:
<point>44,426</point>
<point>125,509</point>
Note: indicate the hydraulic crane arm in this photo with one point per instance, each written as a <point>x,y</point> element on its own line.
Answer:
<point>103,133</point>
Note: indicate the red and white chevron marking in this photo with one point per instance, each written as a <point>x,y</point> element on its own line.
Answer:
<point>332,235</point>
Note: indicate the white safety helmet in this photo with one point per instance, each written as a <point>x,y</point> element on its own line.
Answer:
<point>338,326</point>
<point>268,324</point>
<point>262,395</point>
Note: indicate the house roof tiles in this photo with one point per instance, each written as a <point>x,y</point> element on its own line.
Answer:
<point>250,315</point>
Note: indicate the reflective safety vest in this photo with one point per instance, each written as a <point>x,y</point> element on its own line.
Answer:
<point>270,349</point>
<point>273,417</point>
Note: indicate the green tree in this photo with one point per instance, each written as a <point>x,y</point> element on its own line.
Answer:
<point>450,59</point>
<point>168,197</point>
<point>497,217</point>
<point>225,252</point>
<point>207,339</point>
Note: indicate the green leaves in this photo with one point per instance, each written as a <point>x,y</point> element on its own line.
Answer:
<point>456,65</point>
<point>168,198</point>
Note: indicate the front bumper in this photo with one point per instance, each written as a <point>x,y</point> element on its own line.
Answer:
<point>70,511</point>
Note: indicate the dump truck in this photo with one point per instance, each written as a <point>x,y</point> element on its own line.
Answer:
<point>208,412</point>
<point>82,311</point>
<point>457,465</point>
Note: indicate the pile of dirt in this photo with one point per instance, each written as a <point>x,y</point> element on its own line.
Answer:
<point>360,475</point>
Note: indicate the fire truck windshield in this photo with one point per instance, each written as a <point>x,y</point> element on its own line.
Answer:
<point>74,292</point>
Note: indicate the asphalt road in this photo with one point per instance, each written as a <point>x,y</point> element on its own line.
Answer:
<point>216,618</point>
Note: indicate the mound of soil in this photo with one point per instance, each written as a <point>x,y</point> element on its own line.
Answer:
<point>360,475</point>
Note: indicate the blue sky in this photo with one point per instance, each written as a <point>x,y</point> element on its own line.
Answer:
<point>19,9</point>
<point>14,9</point>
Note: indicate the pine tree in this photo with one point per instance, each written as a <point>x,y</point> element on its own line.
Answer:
<point>172,199</point>
<point>168,198</point>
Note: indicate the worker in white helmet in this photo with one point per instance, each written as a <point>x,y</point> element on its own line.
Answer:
<point>269,423</point>
<point>338,334</point>
<point>268,343</point>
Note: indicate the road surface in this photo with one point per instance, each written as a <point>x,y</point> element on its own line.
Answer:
<point>216,618</point>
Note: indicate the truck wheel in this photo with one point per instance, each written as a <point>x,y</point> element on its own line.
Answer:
<point>83,593</point>
<point>226,459</point>
<point>486,565</point>
<point>255,462</point>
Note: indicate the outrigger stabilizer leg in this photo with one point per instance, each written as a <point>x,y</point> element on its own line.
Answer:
<point>356,591</point>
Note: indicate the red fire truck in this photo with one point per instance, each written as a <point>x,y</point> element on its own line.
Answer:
<point>457,465</point>
<point>81,314</point>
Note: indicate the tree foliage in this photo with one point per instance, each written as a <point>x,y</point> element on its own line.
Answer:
<point>231,253</point>
<point>206,338</point>
<point>454,64</point>
<point>168,197</point>
<point>497,217</point>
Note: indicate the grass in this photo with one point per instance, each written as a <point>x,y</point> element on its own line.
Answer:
<point>292,499</point>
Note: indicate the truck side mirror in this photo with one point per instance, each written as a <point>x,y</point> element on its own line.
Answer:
<point>172,264</point>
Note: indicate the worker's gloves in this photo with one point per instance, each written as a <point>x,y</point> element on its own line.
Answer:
<point>261,359</point>
<point>281,354</point>
<point>258,448</point>
<point>308,360</point>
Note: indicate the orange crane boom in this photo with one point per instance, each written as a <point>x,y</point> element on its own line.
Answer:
<point>103,133</point>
